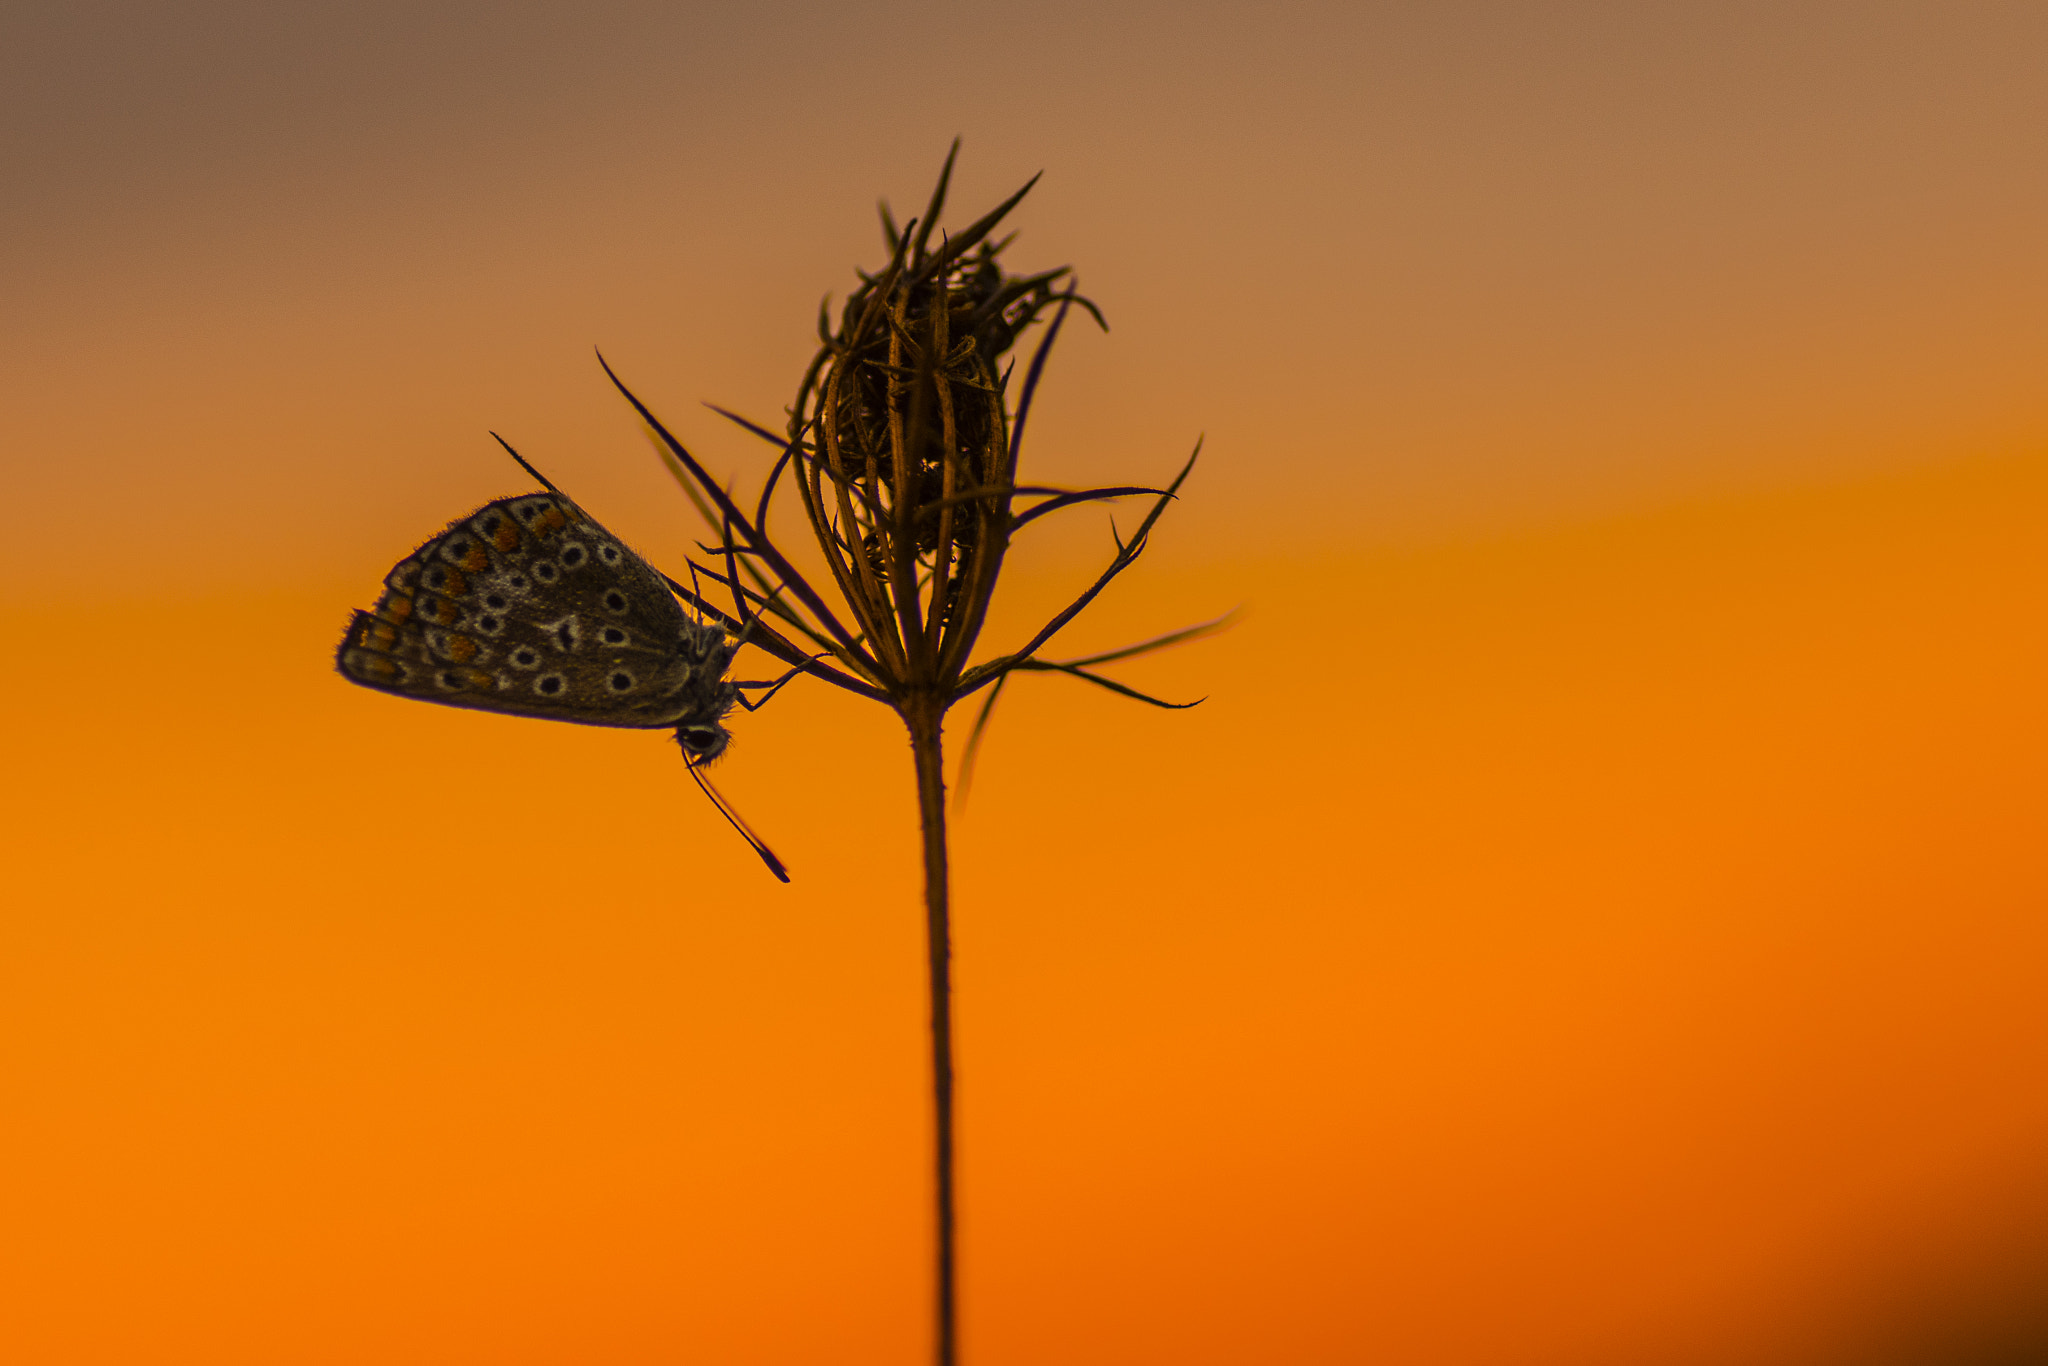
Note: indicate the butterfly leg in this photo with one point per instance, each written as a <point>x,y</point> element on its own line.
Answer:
<point>773,688</point>
<point>696,591</point>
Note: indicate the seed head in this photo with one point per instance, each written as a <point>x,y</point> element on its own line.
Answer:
<point>903,444</point>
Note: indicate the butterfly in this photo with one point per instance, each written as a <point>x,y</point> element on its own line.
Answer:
<point>529,607</point>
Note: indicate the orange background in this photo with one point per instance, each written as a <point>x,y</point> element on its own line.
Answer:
<point>1597,915</point>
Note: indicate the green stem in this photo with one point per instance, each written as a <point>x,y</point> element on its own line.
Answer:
<point>925,717</point>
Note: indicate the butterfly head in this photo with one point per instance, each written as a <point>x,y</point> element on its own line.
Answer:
<point>702,741</point>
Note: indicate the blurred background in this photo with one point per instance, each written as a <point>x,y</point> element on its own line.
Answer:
<point>1595,917</point>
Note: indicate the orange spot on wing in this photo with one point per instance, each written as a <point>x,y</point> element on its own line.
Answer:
<point>374,666</point>
<point>476,561</point>
<point>550,522</point>
<point>461,649</point>
<point>507,537</point>
<point>442,611</point>
<point>395,607</point>
<point>378,635</point>
<point>456,585</point>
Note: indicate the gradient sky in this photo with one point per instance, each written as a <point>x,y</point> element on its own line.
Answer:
<point>1597,915</point>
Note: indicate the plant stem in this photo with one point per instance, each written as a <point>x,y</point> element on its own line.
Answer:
<point>925,717</point>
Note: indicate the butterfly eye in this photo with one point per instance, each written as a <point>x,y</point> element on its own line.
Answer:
<point>699,739</point>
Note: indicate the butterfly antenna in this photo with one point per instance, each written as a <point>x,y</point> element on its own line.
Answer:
<point>725,810</point>
<point>544,482</point>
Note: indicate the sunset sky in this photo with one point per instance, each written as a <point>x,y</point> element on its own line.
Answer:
<point>1597,917</point>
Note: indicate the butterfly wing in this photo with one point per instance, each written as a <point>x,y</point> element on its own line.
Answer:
<point>528,606</point>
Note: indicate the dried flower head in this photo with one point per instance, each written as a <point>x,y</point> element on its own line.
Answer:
<point>904,451</point>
